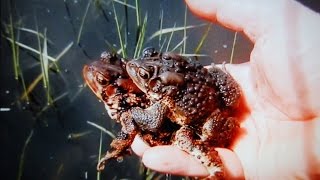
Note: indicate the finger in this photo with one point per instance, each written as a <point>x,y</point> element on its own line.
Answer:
<point>231,163</point>
<point>253,17</point>
<point>139,146</point>
<point>170,159</point>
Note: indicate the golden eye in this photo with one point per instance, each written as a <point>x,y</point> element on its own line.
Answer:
<point>101,79</point>
<point>143,73</point>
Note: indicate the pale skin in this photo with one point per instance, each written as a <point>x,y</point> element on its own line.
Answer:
<point>281,87</point>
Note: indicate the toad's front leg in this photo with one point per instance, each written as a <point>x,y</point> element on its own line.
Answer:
<point>206,155</point>
<point>121,144</point>
<point>150,118</point>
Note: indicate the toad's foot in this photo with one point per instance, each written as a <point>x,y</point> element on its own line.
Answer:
<point>121,144</point>
<point>112,155</point>
<point>120,147</point>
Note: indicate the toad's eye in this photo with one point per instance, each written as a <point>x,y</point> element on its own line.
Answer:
<point>144,74</point>
<point>149,52</point>
<point>101,79</point>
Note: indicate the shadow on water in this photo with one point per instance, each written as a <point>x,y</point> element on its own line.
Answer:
<point>44,131</point>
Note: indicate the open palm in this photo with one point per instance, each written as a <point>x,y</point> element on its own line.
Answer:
<point>281,86</point>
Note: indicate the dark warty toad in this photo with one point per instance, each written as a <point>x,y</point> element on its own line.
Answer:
<point>108,79</point>
<point>201,101</point>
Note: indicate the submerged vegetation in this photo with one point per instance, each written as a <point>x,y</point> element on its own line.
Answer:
<point>40,89</point>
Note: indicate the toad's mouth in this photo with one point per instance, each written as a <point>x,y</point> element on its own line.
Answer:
<point>88,76</point>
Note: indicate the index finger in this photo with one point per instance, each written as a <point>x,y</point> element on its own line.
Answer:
<point>254,18</point>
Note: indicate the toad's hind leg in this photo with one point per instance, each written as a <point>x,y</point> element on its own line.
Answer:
<point>228,89</point>
<point>219,129</point>
<point>207,156</point>
<point>120,146</point>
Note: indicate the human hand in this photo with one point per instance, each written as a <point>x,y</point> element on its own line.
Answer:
<point>281,88</point>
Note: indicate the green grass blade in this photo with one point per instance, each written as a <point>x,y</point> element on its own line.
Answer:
<point>124,54</point>
<point>143,33</point>
<point>25,95</point>
<point>99,6</point>
<point>60,169</point>
<point>185,30</point>
<point>160,176</point>
<point>233,47</point>
<point>125,4</point>
<point>136,49</point>
<point>13,49</point>
<point>138,16</point>
<point>22,156</point>
<point>193,55</point>
<point>203,38</point>
<point>45,58</point>
<point>110,46</point>
<point>75,136</point>
<point>83,20</point>
<point>45,68</point>
<point>150,175</point>
<point>102,129</point>
<point>60,96</point>
<point>31,87</point>
<point>52,102</point>
<point>29,48</point>
<point>126,29</point>
<point>99,156</point>
<point>169,41</point>
<point>20,70</point>
<point>64,51</point>
<point>24,87</point>
<point>75,95</point>
<point>41,57</point>
<point>162,45</point>
<point>141,38</point>
<point>118,51</point>
<point>169,30</point>
<point>160,26</point>
<point>35,33</point>
<point>179,44</point>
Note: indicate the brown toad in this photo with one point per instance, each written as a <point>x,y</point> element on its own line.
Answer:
<point>200,100</point>
<point>108,79</point>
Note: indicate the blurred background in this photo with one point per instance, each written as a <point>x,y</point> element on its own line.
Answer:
<point>52,125</point>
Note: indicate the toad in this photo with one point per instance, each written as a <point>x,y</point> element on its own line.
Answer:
<point>108,79</point>
<point>201,101</point>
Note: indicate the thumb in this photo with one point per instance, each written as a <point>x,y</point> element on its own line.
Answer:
<point>252,17</point>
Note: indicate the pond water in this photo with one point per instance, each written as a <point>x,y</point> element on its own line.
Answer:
<point>48,134</point>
